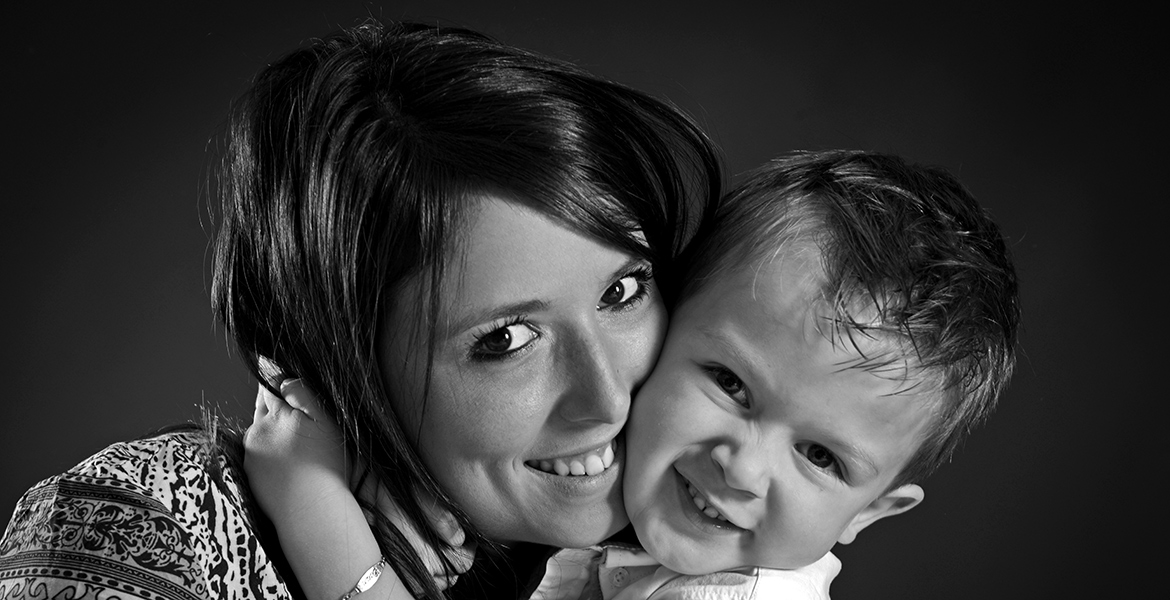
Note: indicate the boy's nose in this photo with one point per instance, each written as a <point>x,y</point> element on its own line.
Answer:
<point>743,468</point>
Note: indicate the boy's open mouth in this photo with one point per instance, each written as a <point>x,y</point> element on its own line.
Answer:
<point>704,513</point>
<point>703,505</point>
<point>591,462</point>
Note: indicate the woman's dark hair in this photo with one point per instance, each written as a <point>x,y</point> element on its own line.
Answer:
<point>349,167</point>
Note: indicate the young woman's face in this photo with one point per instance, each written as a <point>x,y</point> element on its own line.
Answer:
<point>542,337</point>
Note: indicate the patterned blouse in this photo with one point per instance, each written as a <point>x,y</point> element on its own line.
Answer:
<point>142,519</point>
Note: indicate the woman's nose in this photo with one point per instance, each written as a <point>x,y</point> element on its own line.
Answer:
<point>744,467</point>
<point>598,384</point>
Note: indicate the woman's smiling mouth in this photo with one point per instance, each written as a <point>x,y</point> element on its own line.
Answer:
<point>588,463</point>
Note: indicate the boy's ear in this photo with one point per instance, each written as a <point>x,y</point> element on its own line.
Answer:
<point>895,501</point>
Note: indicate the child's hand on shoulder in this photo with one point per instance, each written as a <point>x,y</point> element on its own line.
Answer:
<point>293,454</point>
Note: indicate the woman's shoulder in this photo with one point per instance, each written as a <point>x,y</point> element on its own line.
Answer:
<point>142,461</point>
<point>159,516</point>
<point>171,472</point>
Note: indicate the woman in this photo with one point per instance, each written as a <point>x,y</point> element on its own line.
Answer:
<point>455,244</point>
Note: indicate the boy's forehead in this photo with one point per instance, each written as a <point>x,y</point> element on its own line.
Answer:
<point>791,285</point>
<point>783,290</point>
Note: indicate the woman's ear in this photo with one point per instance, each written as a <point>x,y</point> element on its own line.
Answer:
<point>895,501</point>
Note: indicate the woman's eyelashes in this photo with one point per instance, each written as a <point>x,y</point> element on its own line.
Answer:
<point>628,291</point>
<point>729,383</point>
<point>502,341</point>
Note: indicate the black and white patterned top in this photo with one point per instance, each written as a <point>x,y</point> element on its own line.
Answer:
<point>142,519</point>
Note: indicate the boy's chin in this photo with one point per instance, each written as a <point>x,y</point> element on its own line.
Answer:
<point>680,554</point>
<point>690,562</point>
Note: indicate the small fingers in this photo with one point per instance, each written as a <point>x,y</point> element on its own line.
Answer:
<point>461,558</point>
<point>443,521</point>
<point>300,397</point>
<point>267,402</point>
<point>261,404</point>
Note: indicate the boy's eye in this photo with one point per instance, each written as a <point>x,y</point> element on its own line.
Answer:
<point>503,341</point>
<point>820,457</point>
<point>730,384</point>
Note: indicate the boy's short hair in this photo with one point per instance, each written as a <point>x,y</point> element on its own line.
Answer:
<point>907,240</point>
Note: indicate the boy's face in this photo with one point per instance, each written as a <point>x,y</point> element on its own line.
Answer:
<point>757,440</point>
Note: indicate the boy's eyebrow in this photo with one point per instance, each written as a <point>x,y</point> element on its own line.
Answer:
<point>727,344</point>
<point>856,455</point>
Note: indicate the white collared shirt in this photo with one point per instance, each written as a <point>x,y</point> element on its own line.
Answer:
<point>621,572</point>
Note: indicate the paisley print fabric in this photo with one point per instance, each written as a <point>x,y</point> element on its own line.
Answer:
<point>142,519</point>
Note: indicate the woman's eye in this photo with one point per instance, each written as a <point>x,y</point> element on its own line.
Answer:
<point>626,291</point>
<point>503,341</point>
<point>820,457</point>
<point>730,384</point>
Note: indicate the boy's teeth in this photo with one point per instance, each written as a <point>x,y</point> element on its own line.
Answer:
<point>589,463</point>
<point>701,502</point>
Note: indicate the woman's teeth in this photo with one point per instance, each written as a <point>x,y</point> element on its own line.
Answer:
<point>701,502</point>
<point>585,464</point>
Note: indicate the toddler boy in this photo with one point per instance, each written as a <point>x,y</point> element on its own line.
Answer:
<point>845,321</point>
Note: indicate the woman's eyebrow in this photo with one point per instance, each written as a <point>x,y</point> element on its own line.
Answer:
<point>629,265</point>
<point>488,314</point>
<point>493,313</point>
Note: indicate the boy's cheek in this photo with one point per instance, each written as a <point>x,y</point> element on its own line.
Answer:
<point>680,399</point>
<point>656,421</point>
<point>654,395</point>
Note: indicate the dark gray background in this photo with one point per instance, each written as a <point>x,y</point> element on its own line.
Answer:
<point>1051,118</point>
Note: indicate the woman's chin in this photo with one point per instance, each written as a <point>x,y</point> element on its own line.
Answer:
<point>551,521</point>
<point>588,527</point>
<point>583,538</point>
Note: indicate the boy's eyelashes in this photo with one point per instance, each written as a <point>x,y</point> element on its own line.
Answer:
<point>729,383</point>
<point>822,458</point>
